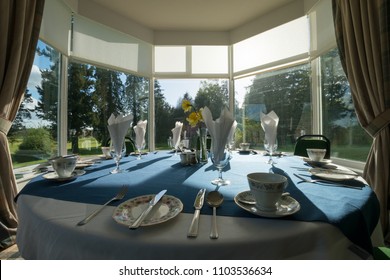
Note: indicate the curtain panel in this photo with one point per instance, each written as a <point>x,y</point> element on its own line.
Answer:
<point>19,31</point>
<point>362,31</point>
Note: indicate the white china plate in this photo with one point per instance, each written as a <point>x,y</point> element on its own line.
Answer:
<point>287,206</point>
<point>317,163</point>
<point>52,176</point>
<point>167,208</point>
<point>136,153</point>
<point>333,174</point>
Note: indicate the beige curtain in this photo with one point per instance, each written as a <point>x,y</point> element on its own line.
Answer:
<point>20,21</point>
<point>362,30</point>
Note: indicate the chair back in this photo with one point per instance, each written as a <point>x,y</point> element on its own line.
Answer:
<point>312,141</point>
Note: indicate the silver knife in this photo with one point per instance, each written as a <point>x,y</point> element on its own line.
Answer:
<point>145,213</point>
<point>198,204</point>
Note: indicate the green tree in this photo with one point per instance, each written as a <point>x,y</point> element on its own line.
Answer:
<point>107,98</point>
<point>48,91</point>
<point>164,115</point>
<point>79,101</point>
<point>214,95</point>
<point>285,92</point>
<point>23,114</point>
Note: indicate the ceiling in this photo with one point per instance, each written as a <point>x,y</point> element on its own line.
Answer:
<point>191,15</point>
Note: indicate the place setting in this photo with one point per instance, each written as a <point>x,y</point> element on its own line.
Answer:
<point>266,197</point>
<point>64,169</point>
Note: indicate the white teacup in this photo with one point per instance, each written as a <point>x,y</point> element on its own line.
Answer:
<point>64,165</point>
<point>316,154</point>
<point>106,152</point>
<point>245,146</point>
<point>267,189</point>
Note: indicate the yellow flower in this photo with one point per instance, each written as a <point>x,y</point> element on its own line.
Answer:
<point>186,105</point>
<point>194,118</point>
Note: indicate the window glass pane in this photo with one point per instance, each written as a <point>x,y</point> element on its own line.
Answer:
<point>287,93</point>
<point>94,94</point>
<point>285,41</point>
<point>340,124</point>
<point>210,59</point>
<point>33,135</point>
<point>169,94</point>
<point>170,59</point>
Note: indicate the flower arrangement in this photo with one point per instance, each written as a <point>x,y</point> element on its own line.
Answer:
<point>195,120</point>
<point>195,117</point>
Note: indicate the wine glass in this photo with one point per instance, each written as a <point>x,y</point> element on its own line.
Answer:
<point>140,148</point>
<point>220,161</point>
<point>117,156</point>
<point>271,149</point>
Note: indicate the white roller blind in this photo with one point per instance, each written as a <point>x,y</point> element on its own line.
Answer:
<point>210,60</point>
<point>322,35</point>
<point>99,44</point>
<point>56,25</point>
<point>285,43</point>
<point>170,59</point>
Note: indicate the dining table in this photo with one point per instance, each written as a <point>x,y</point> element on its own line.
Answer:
<point>320,220</point>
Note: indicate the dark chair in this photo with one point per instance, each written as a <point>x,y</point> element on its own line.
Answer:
<point>313,141</point>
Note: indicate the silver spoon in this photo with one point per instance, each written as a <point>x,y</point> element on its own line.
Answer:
<point>214,199</point>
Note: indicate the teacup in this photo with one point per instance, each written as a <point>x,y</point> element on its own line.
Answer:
<point>245,146</point>
<point>316,154</point>
<point>106,152</point>
<point>64,165</point>
<point>267,189</point>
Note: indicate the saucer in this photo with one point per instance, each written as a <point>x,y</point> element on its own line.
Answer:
<point>52,176</point>
<point>317,163</point>
<point>244,152</point>
<point>286,206</point>
<point>246,197</point>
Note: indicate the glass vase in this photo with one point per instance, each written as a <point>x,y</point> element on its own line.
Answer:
<point>202,155</point>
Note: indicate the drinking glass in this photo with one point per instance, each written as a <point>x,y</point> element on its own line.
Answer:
<point>117,157</point>
<point>271,149</point>
<point>139,149</point>
<point>220,163</point>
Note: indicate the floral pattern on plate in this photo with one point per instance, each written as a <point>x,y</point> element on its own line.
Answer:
<point>167,208</point>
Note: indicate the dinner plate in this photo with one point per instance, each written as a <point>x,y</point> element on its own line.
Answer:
<point>53,176</point>
<point>333,174</point>
<point>81,165</point>
<point>167,208</point>
<point>286,206</point>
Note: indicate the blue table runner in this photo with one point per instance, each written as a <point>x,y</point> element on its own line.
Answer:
<point>354,211</point>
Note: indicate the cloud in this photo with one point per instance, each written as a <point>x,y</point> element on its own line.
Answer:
<point>35,78</point>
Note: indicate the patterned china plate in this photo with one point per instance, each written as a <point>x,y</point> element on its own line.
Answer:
<point>287,206</point>
<point>246,197</point>
<point>52,176</point>
<point>167,208</point>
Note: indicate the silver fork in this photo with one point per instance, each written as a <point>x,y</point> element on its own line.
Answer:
<point>330,183</point>
<point>120,195</point>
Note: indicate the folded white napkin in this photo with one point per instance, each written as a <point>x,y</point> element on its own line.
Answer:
<point>269,123</point>
<point>117,127</point>
<point>140,131</point>
<point>219,130</point>
<point>176,132</point>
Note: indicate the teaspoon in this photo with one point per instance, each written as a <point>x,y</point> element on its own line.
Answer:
<point>214,199</point>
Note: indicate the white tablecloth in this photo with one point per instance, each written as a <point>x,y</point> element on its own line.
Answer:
<point>47,230</point>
